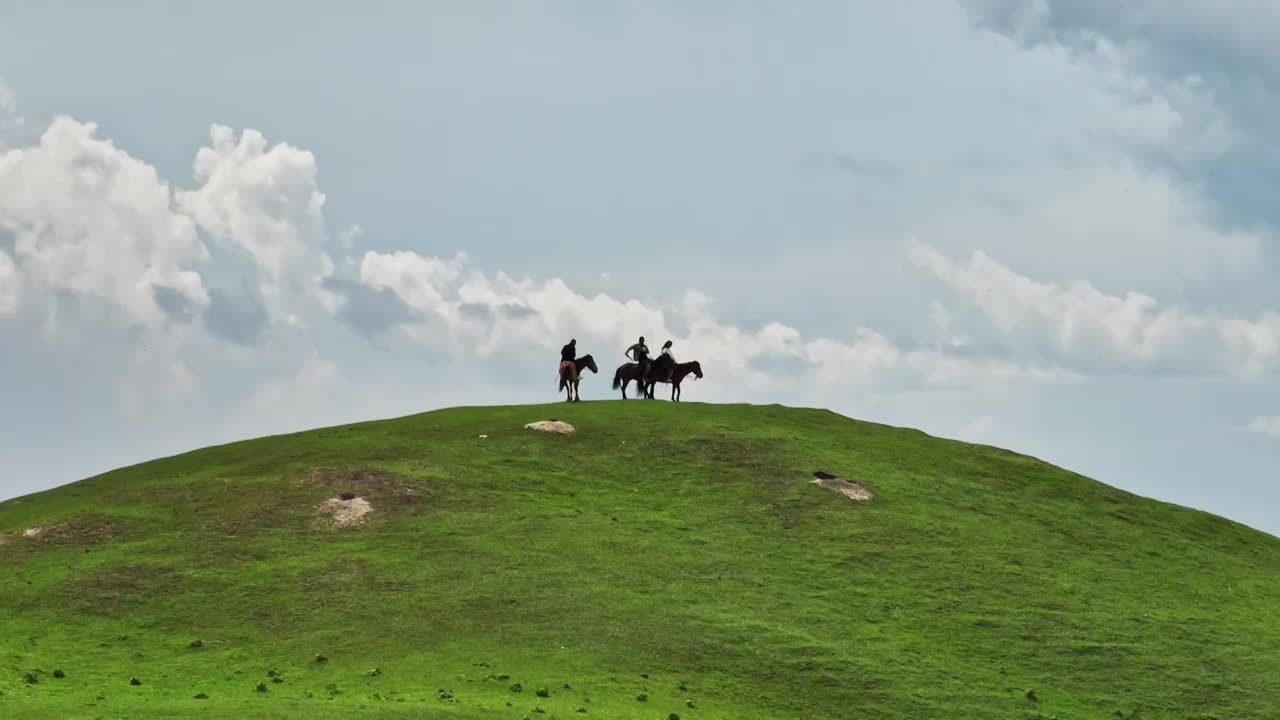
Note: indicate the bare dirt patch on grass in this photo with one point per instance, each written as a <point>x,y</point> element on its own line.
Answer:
<point>356,494</point>
<point>346,511</point>
<point>851,490</point>
<point>552,426</point>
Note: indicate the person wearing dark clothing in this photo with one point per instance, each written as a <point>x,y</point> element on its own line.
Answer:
<point>569,352</point>
<point>640,354</point>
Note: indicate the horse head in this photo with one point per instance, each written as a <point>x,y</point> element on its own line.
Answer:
<point>696,368</point>
<point>589,362</point>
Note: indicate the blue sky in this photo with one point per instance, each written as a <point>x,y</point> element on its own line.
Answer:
<point>1048,226</point>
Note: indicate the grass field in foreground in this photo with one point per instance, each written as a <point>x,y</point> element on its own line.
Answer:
<point>666,559</point>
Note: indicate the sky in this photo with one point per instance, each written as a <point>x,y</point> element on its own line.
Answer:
<point>1043,225</point>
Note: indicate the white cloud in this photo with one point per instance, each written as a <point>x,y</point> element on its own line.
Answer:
<point>476,313</point>
<point>90,220</point>
<point>265,201</point>
<point>1085,327</point>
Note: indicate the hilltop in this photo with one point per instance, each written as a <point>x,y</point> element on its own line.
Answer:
<point>664,560</point>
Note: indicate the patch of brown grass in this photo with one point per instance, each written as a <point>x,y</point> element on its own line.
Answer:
<point>386,491</point>
<point>78,529</point>
<point>119,588</point>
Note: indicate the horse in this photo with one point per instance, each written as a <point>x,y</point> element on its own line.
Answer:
<point>681,370</point>
<point>626,373</point>
<point>571,375</point>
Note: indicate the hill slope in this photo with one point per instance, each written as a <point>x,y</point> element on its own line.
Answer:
<point>679,553</point>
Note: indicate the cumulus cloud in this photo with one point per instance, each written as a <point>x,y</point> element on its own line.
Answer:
<point>265,201</point>
<point>90,220</point>
<point>473,313</point>
<point>1084,327</point>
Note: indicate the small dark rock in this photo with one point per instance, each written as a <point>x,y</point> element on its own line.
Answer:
<point>277,679</point>
<point>673,716</point>
<point>59,674</point>
<point>1031,695</point>
<point>445,695</point>
<point>543,692</point>
<point>644,675</point>
<point>201,696</point>
<point>688,703</point>
<point>273,673</point>
<point>321,659</point>
<point>374,672</point>
<point>262,687</point>
<point>642,697</point>
<point>31,678</point>
<point>582,709</point>
<point>565,686</point>
<point>517,687</point>
<point>197,643</point>
<point>134,680</point>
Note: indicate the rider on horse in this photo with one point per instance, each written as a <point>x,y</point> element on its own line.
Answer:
<point>568,353</point>
<point>640,354</point>
<point>668,360</point>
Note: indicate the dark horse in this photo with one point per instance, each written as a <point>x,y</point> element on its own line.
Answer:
<point>571,375</point>
<point>629,372</point>
<point>623,377</point>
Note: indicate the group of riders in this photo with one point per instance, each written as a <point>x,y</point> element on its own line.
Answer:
<point>638,353</point>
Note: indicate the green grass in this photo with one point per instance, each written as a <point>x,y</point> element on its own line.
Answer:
<point>675,551</point>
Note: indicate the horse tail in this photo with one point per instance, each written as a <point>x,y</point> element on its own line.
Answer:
<point>617,378</point>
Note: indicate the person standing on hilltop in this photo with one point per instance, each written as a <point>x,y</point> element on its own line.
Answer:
<point>640,354</point>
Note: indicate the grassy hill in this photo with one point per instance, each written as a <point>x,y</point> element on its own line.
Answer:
<point>666,559</point>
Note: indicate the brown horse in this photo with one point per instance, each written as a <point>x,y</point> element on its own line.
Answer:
<point>624,375</point>
<point>680,372</point>
<point>571,375</point>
